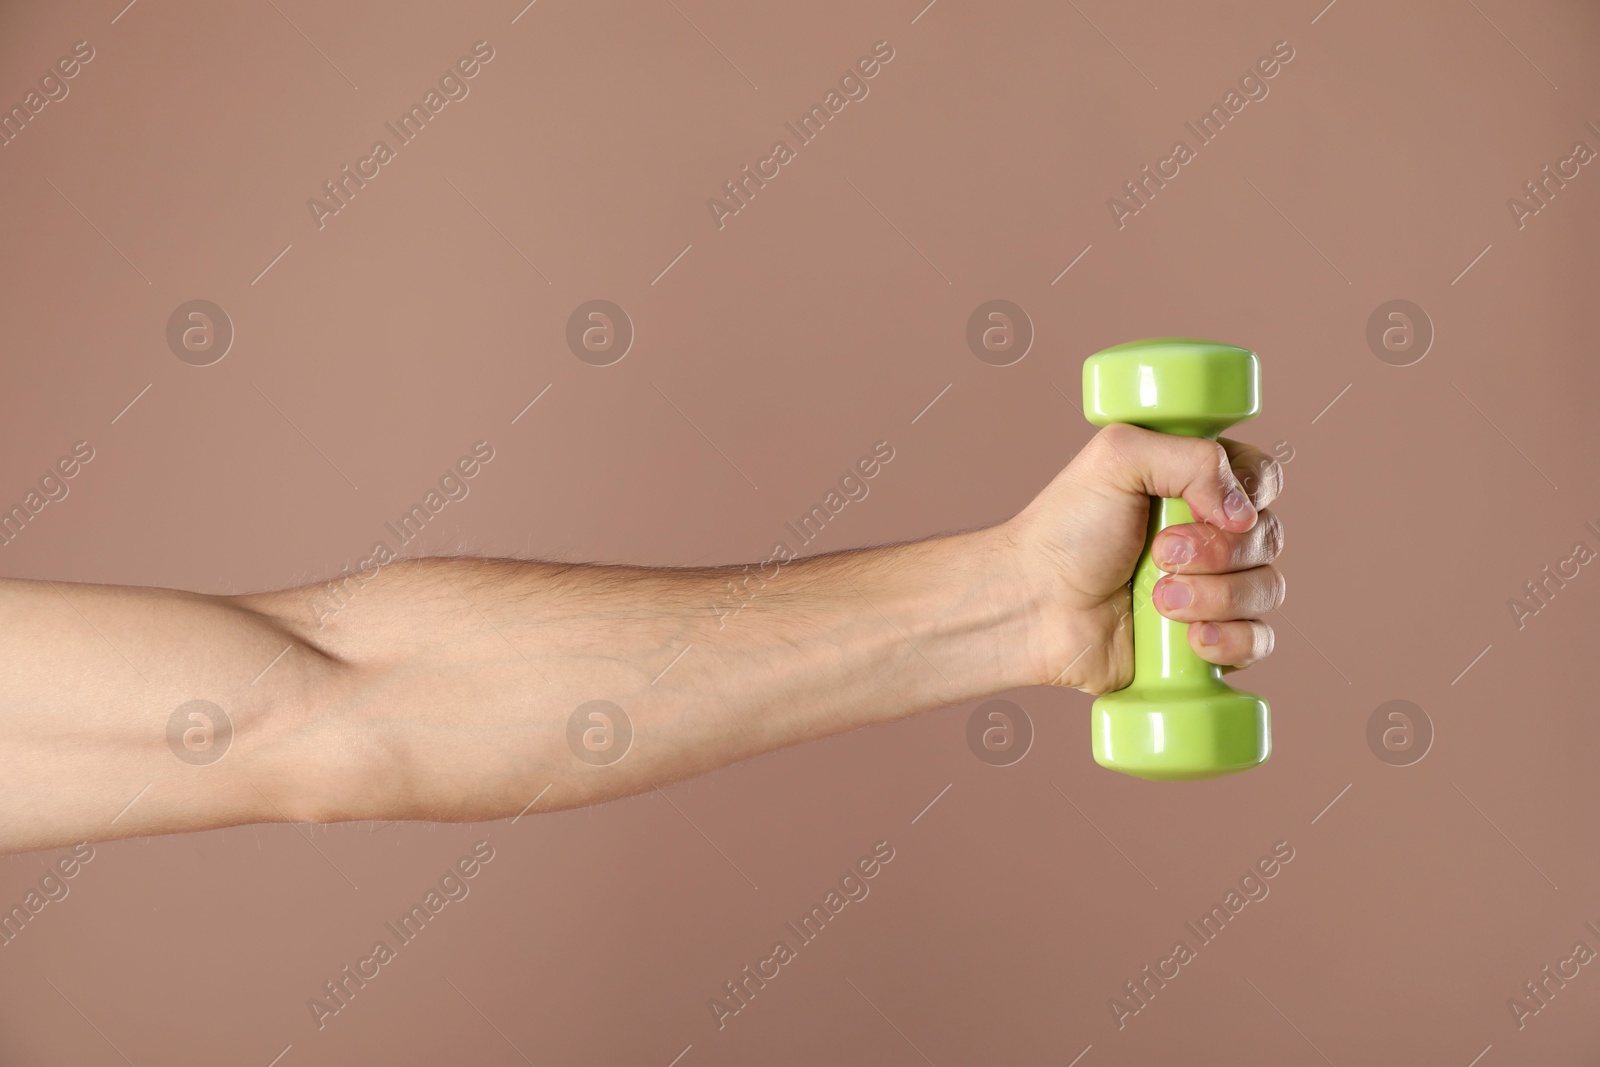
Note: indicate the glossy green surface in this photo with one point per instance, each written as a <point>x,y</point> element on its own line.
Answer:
<point>1178,720</point>
<point>1173,384</point>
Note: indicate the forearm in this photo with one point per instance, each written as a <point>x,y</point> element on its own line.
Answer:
<point>471,671</point>
<point>443,689</point>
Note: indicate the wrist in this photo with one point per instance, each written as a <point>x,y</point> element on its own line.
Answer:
<point>1052,634</point>
<point>990,619</point>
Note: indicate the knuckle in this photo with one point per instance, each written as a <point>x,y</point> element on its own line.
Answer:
<point>1274,535</point>
<point>1251,595</point>
<point>1266,539</point>
<point>1272,475</point>
<point>1268,477</point>
<point>1116,431</point>
<point>1203,457</point>
<point>1277,585</point>
<point>1256,478</point>
<point>1248,603</point>
<point>1214,455</point>
<point>1115,445</point>
<point>1117,437</point>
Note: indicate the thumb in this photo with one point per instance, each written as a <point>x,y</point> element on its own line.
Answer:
<point>1193,468</point>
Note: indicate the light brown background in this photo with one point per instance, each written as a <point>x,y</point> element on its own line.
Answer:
<point>805,330</point>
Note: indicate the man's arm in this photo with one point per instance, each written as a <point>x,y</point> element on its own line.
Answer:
<point>447,688</point>
<point>444,688</point>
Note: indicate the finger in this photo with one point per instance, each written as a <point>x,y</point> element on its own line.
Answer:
<point>1232,644</point>
<point>1260,474</point>
<point>1200,548</point>
<point>1164,465</point>
<point>1219,597</point>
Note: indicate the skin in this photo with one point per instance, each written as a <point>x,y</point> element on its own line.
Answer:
<point>442,688</point>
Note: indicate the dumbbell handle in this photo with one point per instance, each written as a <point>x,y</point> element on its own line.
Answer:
<point>1162,657</point>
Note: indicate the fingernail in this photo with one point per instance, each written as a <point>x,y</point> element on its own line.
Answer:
<point>1236,504</point>
<point>1210,634</point>
<point>1178,549</point>
<point>1176,595</point>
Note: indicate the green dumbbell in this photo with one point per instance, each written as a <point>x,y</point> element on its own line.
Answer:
<point>1178,720</point>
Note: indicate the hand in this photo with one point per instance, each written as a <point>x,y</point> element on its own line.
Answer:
<point>1081,537</point>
